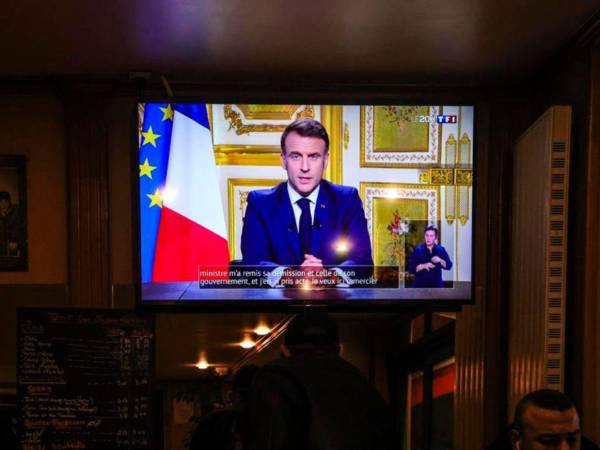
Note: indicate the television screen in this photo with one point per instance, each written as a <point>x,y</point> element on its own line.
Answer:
<point>279,204</point>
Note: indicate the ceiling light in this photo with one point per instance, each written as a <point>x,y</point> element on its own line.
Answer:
<point>202,365</point>
<point>247,343</point>
<point>262,330</point>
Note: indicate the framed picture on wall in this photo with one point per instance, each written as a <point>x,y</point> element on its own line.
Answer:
<point>13,214</point>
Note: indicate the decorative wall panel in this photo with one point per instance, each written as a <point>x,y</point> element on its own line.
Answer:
<point>399,136</point>
<point>411,206</point>
<point>88,217</point>
<point>538,261</point>
<point>249,134</point>
<point>237,200</point>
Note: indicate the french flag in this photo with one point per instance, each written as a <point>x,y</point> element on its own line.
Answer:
<point>185,236</point>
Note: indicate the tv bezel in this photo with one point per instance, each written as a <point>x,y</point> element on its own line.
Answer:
<point>217,305</point>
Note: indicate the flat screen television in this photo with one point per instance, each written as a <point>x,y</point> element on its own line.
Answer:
<point>366,205</point>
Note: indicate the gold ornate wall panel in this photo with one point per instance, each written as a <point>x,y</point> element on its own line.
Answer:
<point>588,308</point>
<point>538,265</point>
<point>331,117</point>
<point>249,134</point>
<point>416,205</point>
<point>457,174</point>
<point>237,197</point>
<point>399,136</point>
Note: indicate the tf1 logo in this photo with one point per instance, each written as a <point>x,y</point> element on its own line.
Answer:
<point>446,119</point>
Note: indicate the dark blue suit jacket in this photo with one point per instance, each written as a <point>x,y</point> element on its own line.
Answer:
<point>270,236</point>
<point>428,278</point>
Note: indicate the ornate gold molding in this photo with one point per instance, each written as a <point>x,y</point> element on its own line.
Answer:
<point>462,199</point>
<point>346,135</point>
<point>236,123</point>
<point>457,192</point>
<point>268,155</point>
<point>435,213</point>
<point>447,177</point>
<point>464,154</point>
<point>232,184</point>
<point>331,118</point>
<point>451,157</point>
<point>267,112</point>
<point>463,177</point>
<point>246,155</point>
<point>394,158</point>
<point>451,149</point>
<point>438,177</point>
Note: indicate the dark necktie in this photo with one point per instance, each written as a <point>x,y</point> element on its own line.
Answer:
<point>305,226</point>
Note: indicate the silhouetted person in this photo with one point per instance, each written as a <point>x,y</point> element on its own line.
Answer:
<point>544,419</point>
<point>219,430</point>
<point>215,431</point>
<point>312,398</point>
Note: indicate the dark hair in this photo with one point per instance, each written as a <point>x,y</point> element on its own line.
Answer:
<point>4,195</point>
<point>312,331</point>
<point>306,128</point>
<point>543,398</point>
<point>432,228</point>
<point>242,379</point>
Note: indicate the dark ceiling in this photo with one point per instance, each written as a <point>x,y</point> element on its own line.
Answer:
<point>366,41</point>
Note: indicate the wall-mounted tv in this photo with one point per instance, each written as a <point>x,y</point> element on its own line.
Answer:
<point>278,205</point>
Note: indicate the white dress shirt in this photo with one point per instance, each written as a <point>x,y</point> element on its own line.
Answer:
<point>312,198</point>
<point>275,275</point>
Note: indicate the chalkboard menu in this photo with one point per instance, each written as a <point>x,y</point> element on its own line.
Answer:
<point>84,379</point>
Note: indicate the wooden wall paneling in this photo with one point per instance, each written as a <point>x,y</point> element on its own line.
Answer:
<point>481,329</point>
<point>507,119</point>
<point>572,77</point>
<point>123,130</point>
<point>590,350</point>
<point>469,395</point>
<point>33,126</point>
<point>538,255</point>
<point>531,168</point>
<point>469,346</point>
<point>88,212</point>
<point>123,123</point>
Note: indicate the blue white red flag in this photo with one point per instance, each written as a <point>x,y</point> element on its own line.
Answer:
<point>183,232</point>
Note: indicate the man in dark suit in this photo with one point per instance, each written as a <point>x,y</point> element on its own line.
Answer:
<point>306,223</point>
<point>428,260</point>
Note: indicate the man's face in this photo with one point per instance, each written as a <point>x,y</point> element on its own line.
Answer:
<point>430,238</point>
<point>544,429</point>
<point>305,160</point>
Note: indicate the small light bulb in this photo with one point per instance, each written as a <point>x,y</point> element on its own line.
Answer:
<point>262,330</point>
<point>247,343</point>
<point>202,365</point>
